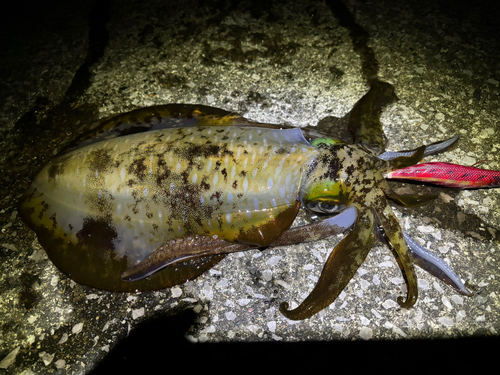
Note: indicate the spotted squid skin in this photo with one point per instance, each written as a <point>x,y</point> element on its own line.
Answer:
<point>109,205</point>
<point>351,175</point>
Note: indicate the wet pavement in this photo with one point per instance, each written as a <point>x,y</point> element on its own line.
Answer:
<point>296,63</point>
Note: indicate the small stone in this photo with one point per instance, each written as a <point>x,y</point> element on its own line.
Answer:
<point>208,291</point>
<point>230,315</point>
<point>423,284</point>
<point>267,275</point>
<point>446,198</point>
<point>243,301</point>
<point>376,313</point>
<point>446,302</point>
<point>176,292</point>
<point>364,320</point>
<point>425,228</point>
<point>9,246</point>
<point>60,363</point>
<point>443,249</point>
<point>46,357</point>
<point>366,333</point>
<point>362,271</point>
<point>461,315</point>
<point>457,299</point>
<point>223,283</point>
<point>446,321</point>
<point>389,304</point>
<point>272,326</point>
<point>387,264</point>
<point>399,331</point>
<point>137,313</point>
<point>480,318</point>
<point>77,328</point>
<point>209,329</point>
<point>63,339</point>
<point>9,358</point>
<point>274,260</point>
<point>467,160</point>
<point>253,328</point>
<point>54,280</point>
<point>364,284</point>
<point>397,280</point>
<point>437,287</point>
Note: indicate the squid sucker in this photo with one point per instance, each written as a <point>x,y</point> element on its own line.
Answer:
<point>160,195</point>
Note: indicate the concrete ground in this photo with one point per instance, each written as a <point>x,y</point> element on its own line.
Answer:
<point>66,66</point>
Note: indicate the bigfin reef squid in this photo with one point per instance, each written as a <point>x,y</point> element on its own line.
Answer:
<point>158,196</point>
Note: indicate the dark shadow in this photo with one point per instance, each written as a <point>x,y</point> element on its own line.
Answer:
<point>156,341</point>
<point>67,111</point>
<point>159,345</point>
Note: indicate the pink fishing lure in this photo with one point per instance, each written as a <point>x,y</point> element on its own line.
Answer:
<point>450,175</point>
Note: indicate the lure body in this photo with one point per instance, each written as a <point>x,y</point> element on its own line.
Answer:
<point>449,175</point>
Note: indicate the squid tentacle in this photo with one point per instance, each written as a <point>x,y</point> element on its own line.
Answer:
<point>339,269</point>
<point>434,265</point>
<point>405,161</point>
<point>432,149</point>
<point>437,147</point>
<point>175,251</point>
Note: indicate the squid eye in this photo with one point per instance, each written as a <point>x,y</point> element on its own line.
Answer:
<point>325,208</point>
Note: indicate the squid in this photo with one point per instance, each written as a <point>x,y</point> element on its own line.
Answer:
<point>158,196</point>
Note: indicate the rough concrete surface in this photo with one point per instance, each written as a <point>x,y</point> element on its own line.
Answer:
<point>68,65</point>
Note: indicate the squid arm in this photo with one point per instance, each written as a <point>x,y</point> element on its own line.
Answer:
<point>364,118</point>
<point>409,200</point>
<point>396,242</point>
<point>339,269</point>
